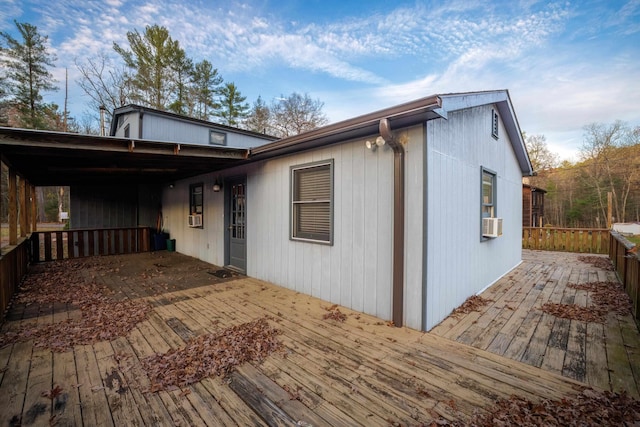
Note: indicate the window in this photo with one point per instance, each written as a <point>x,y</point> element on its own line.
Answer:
<point>127,131</point>
<point>491,226</point>
<point>217,138</point>
<point>488,194</point>
<point>495,123</point>
<point>196,202</point>
<point>312,202</point>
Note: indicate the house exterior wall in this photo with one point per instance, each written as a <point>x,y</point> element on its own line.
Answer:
<point>459,263</point>
<point>446,261</point>
<point>356,271</point>
<point>160,128</point>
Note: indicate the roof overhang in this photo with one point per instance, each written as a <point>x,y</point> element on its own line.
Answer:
<point>400,116</point>
<point>56,158</point>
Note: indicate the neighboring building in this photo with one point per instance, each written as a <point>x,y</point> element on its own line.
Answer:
<point>388,213</point>
<point>532,206</point>
<point>136,122</point>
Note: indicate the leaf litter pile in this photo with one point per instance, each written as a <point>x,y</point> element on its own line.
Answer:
<point>473,303</point>
<point>64,282</point>
<point>603,263</point>
<point>334,313</point>
<point>212,354</point>
<point>606,297</point>
<point>589,409</point>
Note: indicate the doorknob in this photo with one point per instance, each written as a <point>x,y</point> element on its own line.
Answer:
<point>230,227</point>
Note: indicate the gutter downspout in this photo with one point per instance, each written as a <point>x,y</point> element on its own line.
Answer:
<point>398,222</point>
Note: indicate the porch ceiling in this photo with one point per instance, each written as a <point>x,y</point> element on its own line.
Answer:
<point>54,158</point>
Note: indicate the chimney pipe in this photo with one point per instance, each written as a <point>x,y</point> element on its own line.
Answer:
<point>103,131</point>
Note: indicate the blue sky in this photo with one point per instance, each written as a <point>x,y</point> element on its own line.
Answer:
<point>566,64</point>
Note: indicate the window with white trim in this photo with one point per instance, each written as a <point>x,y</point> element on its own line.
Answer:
<point>312,202</point>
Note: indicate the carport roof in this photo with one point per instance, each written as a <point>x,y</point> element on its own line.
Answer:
<point>57,158</point>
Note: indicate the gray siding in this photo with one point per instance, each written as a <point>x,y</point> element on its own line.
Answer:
<point>442,206</point>
<point>103,207</point>
<point>160,128</point>
<point>459,264</point>
<point>355,271</point>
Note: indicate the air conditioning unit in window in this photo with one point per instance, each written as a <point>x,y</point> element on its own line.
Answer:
<point>491,227</point>
<point>195,220</point>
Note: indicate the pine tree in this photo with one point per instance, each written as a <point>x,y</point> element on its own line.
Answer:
<point>258,118</point>
<point>151,60</point>
<point>232,106</point>
<point>205,85</point>
<point>27,77</point>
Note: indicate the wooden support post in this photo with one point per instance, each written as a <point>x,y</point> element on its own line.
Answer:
<point>609,210</point>
<point>13,208</point>
<point>27,196</point>
<point>22,196</point>
<point>34,209</point>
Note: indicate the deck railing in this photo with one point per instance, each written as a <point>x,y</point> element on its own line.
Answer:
<point>77,243</point>
<point>627,265</point>
<point>14,262</point>
<point>587,240</point>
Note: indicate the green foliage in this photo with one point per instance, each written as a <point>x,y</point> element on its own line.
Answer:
<point>233,107</point>
<point>27,76</point>
<point>205,85</point>
<point>153,60</point>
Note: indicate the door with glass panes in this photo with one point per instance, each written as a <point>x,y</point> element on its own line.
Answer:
<point>236,222</point>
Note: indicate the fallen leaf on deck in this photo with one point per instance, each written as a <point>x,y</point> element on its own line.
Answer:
<point>212,354</point>
<point>473,303</point>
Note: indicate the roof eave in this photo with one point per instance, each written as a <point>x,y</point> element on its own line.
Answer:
<point>399,116</point>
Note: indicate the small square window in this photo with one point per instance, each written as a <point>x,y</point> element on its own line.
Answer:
<point>495,123</point>
<point>217,138</point>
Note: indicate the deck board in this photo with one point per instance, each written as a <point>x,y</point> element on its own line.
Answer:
<point>358,372</point>
<point>604,356</point>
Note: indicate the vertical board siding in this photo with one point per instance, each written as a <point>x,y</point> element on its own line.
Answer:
<point>355,271</point>
<point>459,264</point>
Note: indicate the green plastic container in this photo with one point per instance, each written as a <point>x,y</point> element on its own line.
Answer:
<point>171,245</point>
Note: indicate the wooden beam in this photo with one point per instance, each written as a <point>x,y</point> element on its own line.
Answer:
<point>34,209</point>
<point>13,208</point>
<point>22,197</point>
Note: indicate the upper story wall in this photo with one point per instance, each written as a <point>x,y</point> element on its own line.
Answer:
<point>159,127</point>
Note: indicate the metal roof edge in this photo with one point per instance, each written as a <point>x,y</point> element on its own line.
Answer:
<point>354,127</point>
<point>134,107</point>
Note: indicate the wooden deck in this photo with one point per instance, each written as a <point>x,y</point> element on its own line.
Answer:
<point>512,325</point>
<point>357,372</point>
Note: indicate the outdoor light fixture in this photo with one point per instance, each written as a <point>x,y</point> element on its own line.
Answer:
<point>217,186</point>
<point>373,145</point>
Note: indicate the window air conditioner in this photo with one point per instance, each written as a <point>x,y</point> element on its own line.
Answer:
<point>491,227</point>
<point>195,220</point>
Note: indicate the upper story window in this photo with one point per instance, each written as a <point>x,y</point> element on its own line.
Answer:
<point>495,123</point>
<point>312,202</point>
<point>217,138</point>
<point>127,131</point>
